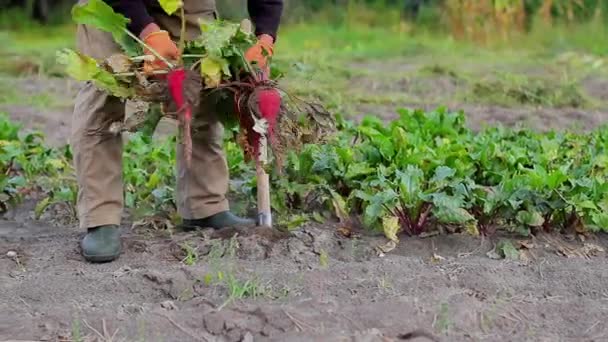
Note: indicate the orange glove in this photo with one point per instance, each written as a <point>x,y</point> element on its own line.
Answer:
<point>161,42</point>
<point>261,51</point>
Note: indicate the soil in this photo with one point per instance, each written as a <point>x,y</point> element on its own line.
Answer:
<point>311,284</point>
<point>447,87</point>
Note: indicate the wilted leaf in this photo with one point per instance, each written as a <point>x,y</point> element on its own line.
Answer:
<point>4,197</point>
<point>590,249</point>
<point>170,6</point>
<point>493,255</point>
<point>339,206</point>
<point>387,247</point>
<point>524,257</point>
<point>98,14</point>
<point>345,231</point>
<point>390,226</point>
<point>246,26</point>
<point>119,62</point>
<point>212,70</point>
<point>437,258</point>
<point>506,250</point>
<point>84,68</point>
<point>526,244</point>
<point>471,228</point>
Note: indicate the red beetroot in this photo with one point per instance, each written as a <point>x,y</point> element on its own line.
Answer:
<point>175,81</point>
<point>269,107</point>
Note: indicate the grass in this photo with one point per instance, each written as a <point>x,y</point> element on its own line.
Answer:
<point>191,257</point>
<point>330,59</point>
<point>223,265</point>
<point>33,50</point>
<point>443,321</point>
<point>519,90</point>
<point>76,332</point>
<point>10,94</point>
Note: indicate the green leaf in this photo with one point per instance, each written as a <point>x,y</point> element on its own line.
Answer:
<point>18,181</point>
<point>216,35</point>
<point>295,221</point>
<point>98,14</point>
<point>387,149</point>
<point>410,182</point>
<point>531,218</point>
<point>377,204</point>
<point>585,204</point>
<point>358,169</point>
<point>154,180</point>
<point>41,207</point>
<point>170,6</point>
<point>442,173</point>
<point>555,179</point>
<point>399,137</point>
<point>84,68</point>
<point>600,220</point>
<point>448,209</point>
<point>56,164</point>
<point>318,217</point>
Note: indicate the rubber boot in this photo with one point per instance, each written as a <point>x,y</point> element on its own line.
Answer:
<point>101,244</point>
<point>220,220</point>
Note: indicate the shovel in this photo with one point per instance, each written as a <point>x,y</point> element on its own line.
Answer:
<point>269,107</point>
<point>263,185</point>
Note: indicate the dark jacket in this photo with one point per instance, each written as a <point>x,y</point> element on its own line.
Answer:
<point>265,14</point>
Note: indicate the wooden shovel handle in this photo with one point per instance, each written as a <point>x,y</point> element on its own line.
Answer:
<point>264,215</point>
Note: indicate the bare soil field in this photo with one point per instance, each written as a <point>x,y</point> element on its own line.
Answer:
<point>311,284</point>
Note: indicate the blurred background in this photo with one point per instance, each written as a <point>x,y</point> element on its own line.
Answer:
<point>532,62</point>
<point>471,18</point>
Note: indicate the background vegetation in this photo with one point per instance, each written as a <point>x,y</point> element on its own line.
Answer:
<point>366,57</point>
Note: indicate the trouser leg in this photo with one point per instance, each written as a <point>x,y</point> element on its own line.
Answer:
<point>202,188</point>
<point>97,153</point>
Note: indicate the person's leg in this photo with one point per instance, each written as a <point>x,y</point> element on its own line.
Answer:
<point>201,189</point>
<point>98,156</point>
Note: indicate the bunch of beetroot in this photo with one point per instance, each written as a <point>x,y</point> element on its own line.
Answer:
<point>213,62</point>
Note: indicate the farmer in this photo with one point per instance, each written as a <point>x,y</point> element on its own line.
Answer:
<point>201,194</point>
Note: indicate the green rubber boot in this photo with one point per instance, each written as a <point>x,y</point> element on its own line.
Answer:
<point>101,244</point>
<point>220,220</point>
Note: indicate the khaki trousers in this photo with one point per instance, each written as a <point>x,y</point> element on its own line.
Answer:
<point>98,154</point>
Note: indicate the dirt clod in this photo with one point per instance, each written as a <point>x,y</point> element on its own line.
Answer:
<point>168,305</point>
<point>175,285</point>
